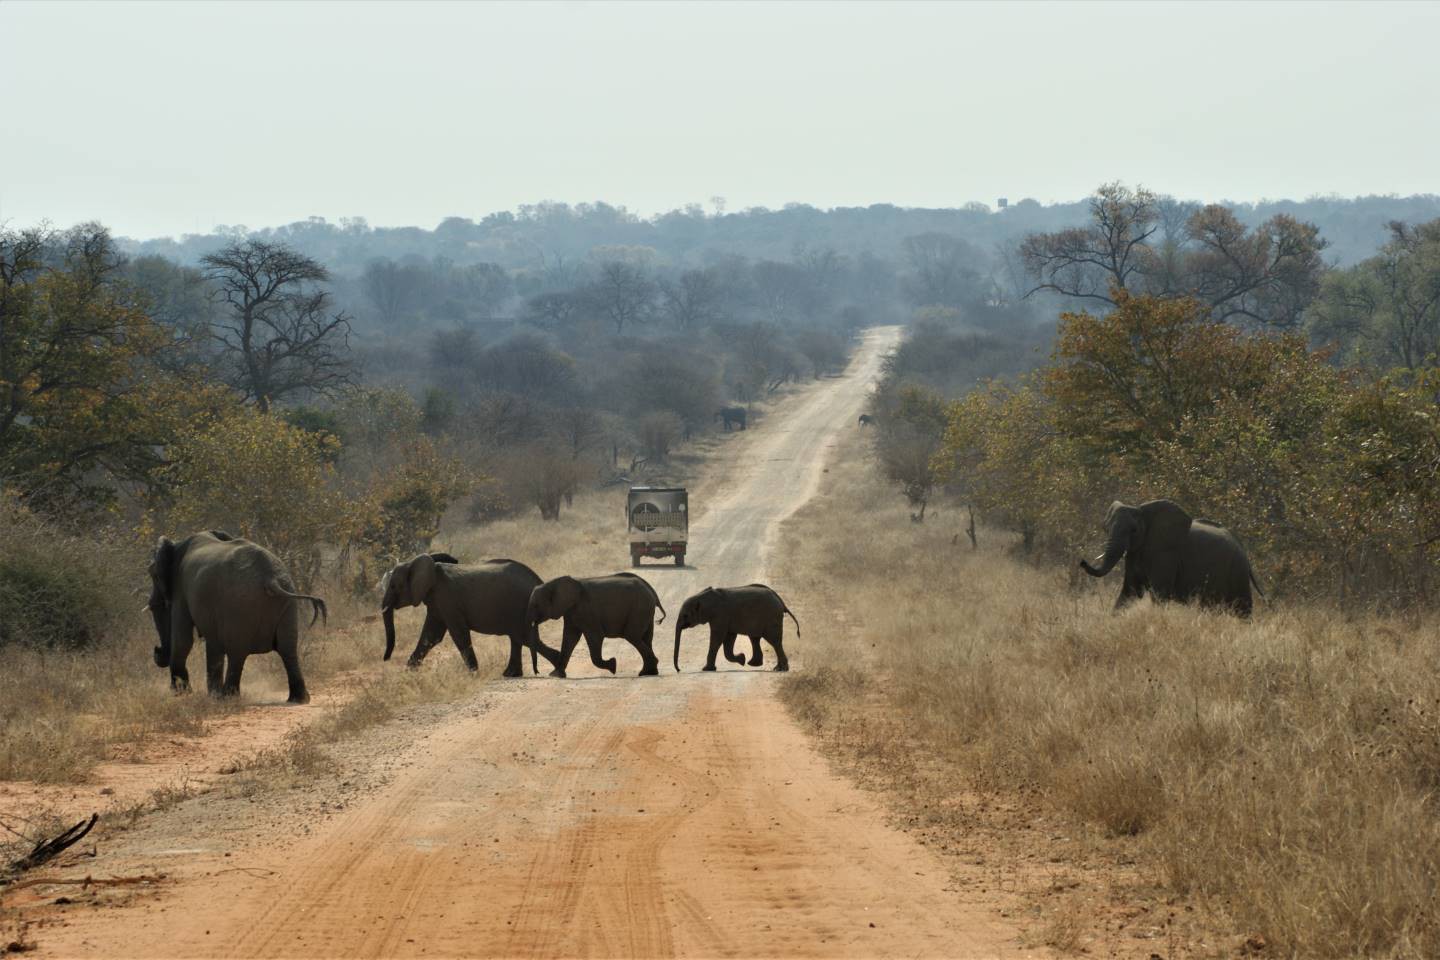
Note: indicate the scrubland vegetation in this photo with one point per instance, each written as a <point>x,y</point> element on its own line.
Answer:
<point>1279,773</point>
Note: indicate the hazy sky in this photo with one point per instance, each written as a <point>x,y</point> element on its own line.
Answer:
<point>174,117</point>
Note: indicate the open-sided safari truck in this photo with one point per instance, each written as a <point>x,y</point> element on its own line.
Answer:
<point>659,522</point>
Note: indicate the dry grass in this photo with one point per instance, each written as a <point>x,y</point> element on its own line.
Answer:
<point>1281,772</point>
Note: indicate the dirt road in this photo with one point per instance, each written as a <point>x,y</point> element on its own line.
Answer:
<point>683,815</point>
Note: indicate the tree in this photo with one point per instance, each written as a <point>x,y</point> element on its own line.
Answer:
<point>945,270</point>
<point>908,441</point>
<point>1389,305</point>
<point>695,300</point>
<point>622,294</point>
<point>394,289</point>
<point>279,336</point>
<point>84,403</point>
<point>1267,276</point>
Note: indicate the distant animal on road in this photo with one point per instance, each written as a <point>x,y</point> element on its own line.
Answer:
<point>238,596</point>
<point>490,597</point>
<point>754,611</point>
<point>731,415</point>
<point>866,420</point>
<point>1174,557</point>
<point>620,605</point>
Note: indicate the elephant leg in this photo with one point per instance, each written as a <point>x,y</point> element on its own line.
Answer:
<point>515,666</point>
<point>533,640</point>
<point>290,656</point>
<point>233,670</point>
<point>460,636</point>
<point>646,646</point>
<point>182,638</point>
<point>729,645</point>
<point>595,640</point>
<point>782,662</point>
<point>568,640</point>
<point>716,640</point>
<point>430,634</point>
<point>214,667</point>
<point>757,655</point>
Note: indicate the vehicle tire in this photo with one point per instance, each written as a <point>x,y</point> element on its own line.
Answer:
<point>634,559</point>
<point>679,559</point>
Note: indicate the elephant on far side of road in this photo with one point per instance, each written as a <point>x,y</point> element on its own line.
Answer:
<point>731,415</point>
<point>238,597</point>
<point>1174,557</point>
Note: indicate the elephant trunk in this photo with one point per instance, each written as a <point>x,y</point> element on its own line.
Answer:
<point>677,646</point>
<point>160,613</point>
<point>388,614</point>
<point>1114,550</point>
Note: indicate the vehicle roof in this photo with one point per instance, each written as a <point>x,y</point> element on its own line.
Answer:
<point>659,489</point>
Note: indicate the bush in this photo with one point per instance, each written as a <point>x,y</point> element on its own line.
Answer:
<point>61,590</point>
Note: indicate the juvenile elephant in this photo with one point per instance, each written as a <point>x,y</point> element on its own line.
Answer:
<point>754,611</point>
<point>731,415</point>
<point>489,597</point>
<point>620,605</point>
<point>1174,557</point>
<point>238,597</point>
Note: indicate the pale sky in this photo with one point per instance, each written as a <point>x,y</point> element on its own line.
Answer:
<point>167,118</point>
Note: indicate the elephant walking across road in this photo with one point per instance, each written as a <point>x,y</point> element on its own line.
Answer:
<point>620,605</point>
<point>1174,557</point>
<point>238,596</point>
<point>754,611</point>
<point>489,597</point>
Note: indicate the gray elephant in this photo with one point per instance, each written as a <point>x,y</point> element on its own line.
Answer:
<point>620,605</point>
<point>754,611</point>
<point>238,597</point>
<point>1174,557</point>
<point>731,415</point>
<point>489,597</point>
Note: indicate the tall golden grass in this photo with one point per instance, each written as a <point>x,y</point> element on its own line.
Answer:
<point>1281,772</point>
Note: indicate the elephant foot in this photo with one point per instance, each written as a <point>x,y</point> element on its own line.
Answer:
<point>412,663</point>
<point>610,665</point>
<point>708,668</point>
<point>513,673</point>
<point>650,670</point>
<point>558,672</point>
<point>782,668</point>
<point>299,697</point>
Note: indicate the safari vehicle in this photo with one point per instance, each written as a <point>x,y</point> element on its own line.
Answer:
<point>659,523</point>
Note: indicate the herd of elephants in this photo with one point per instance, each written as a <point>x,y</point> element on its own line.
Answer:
<point>239,598</point>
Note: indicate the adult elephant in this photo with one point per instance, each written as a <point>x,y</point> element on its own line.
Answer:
<point>238,596</point>
<point>1174,557</point>
<point>731,415</point>
<point>489,598</point>
<point>754,611</point>
<point>620,605</point>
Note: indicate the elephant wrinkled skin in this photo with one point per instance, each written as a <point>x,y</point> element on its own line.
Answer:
<point>1174,557</point>
<point>238,597</point>
<point>489,598</point>
<point>754,611</point>
<point>620,605</point>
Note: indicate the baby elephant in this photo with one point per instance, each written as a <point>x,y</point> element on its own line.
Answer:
<point>620,605</point>
<point>755,611</point>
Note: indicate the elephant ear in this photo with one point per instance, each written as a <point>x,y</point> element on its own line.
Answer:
<point>564,596</point>
<point>1166,527</point>
<point>162,568</point>
<point>422,579</point>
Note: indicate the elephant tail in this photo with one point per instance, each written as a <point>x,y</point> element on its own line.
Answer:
<point>1256,584</point>
<point>318,611</point>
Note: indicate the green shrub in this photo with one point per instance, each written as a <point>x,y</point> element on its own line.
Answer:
<point>62,590</point>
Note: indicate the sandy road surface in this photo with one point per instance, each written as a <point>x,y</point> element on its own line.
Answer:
<point>683,815</point>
